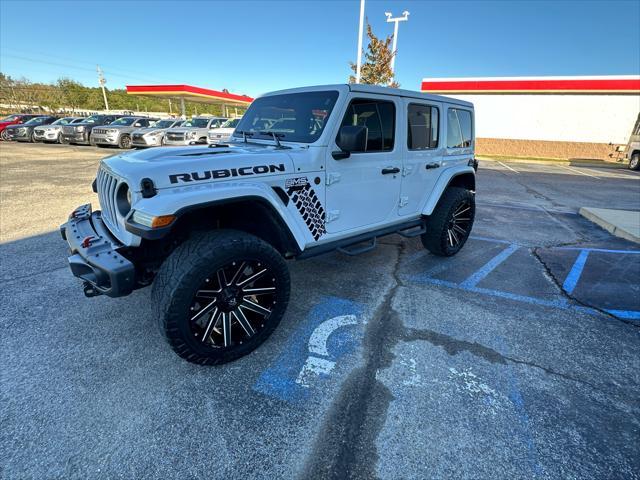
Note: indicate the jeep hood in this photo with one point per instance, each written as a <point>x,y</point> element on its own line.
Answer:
<point>192,166</point>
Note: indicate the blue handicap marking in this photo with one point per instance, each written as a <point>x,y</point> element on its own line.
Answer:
<point>312,351</point>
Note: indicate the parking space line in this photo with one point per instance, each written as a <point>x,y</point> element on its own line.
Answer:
<point>507,166</point>
<point>488,267</point>
<point>573,277</point>
<point>601,250</point>
<point>626,314</point>
<point>578,171</point>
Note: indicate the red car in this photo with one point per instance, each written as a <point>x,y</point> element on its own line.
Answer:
<point>12,120</point>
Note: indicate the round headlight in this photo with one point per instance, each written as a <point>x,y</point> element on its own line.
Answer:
<point>123,199</point>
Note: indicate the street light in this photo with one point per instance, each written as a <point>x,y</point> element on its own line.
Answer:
<point>359,61</point>
<point>404,18</point>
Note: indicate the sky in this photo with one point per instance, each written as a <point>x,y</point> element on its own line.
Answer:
<point>252,47</point>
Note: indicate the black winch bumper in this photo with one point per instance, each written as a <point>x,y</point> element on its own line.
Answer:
<point>94,255</point>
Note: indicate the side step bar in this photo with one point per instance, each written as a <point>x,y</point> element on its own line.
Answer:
<point>348,246</point>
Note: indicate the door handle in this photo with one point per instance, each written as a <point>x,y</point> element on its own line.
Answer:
<point>429,166</point>
<point>388,170</point>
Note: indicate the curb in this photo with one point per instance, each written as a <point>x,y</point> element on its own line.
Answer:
<point>617,230</point>
<point>566,163</point>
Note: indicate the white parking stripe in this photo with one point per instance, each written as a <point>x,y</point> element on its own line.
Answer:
<point>579,171</point>
<point>507,166</point>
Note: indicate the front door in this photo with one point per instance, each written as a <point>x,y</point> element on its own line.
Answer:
<point>363,189</point>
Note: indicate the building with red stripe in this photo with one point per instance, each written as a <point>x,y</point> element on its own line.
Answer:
<point>554,117</point>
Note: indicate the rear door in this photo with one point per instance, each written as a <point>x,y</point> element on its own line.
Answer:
<point>422,158</point>
<point>363,190</point>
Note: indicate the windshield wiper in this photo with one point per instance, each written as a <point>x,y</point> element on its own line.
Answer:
<point>244,134</point>
<point>276,137</point>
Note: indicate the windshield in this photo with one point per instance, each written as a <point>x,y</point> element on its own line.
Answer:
<point>233,123</point>
<point>35,120</point>
<point>62,121</point>
<point>92,119</point>
<point>123,121</point>
<point>296,117</point>
<point>78,120</point>
<point>163,124</point>
<point>196,122</point>
<point>10,118</point>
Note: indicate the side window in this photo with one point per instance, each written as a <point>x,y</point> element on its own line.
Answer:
<point>459,128</point>
<point>422,131</point>
<point>380,119</point>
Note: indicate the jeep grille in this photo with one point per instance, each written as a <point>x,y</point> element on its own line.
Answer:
<point>107,186</point>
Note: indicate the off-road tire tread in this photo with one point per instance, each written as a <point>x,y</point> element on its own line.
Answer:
<point>435,238</point>
<point>637,166</point>
<point>180,270</point>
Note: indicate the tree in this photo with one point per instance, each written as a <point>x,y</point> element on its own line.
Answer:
<point>376,68</point>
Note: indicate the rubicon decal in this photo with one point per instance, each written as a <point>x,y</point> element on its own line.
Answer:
<point>225,173</point>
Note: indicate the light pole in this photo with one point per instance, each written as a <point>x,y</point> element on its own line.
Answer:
<point>102,81</point>
<point>359,61</point>
<point>403,18</point>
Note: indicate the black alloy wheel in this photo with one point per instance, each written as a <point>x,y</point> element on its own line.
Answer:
<point>220,295</point>
<point>450,224</point>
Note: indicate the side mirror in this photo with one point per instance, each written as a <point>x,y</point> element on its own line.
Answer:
<point>352,138</point>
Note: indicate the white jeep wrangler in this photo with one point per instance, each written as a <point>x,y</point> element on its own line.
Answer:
<point>307,171</point>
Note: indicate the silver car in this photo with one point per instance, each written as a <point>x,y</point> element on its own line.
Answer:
<point>192,132</point>
<point>153,136</point>
<point>53,133</point>
<point>223,132</point>
<point>118,133</point>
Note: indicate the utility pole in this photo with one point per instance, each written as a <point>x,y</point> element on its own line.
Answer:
<point>102,81</point>
<point>359,61</point>
<point>404,18</point>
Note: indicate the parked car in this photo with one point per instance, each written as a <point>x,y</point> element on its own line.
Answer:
<point>118,133</point>
<point>192,132</point>
<point>80,133</point>
<point>223,132</point>
<point>24,132</point>
<point>13,120</point>
<point>53,133</point>
<point>153,136</point>
<point>211,228</point>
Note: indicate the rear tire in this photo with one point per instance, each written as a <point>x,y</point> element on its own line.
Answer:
<point>220,295</point>
<point>449,226</point>
<point>634,163</point>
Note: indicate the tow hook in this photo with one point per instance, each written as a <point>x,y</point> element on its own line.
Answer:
<point>87,241</point>
<point>89,290</point>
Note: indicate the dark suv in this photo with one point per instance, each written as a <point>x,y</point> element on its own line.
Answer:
<point>80,133</point>
<point>13,120</point>
<point>23,132</point>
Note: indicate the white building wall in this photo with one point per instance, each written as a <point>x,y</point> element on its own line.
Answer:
<point>596,118</point>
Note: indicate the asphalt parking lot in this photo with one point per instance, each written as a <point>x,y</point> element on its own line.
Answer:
<point>517,358</point>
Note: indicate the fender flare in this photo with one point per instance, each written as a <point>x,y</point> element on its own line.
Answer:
<point>446,178</point>
<point>170,202</point>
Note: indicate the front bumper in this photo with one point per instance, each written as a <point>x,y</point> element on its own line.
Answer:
<point>45,136</point>
<point>78,137</point>
<point>15,136</point>
<point>94,254</point>
<point>146,141</point>
<point>103,140</point>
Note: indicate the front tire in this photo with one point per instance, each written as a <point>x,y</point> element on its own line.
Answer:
<point>634,163</point>
<point>125,141</point>
<point>4,135</point>
<point>220,295</point>
<point>450,224</point>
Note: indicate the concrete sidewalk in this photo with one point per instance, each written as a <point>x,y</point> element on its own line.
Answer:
<point>621,223</point>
